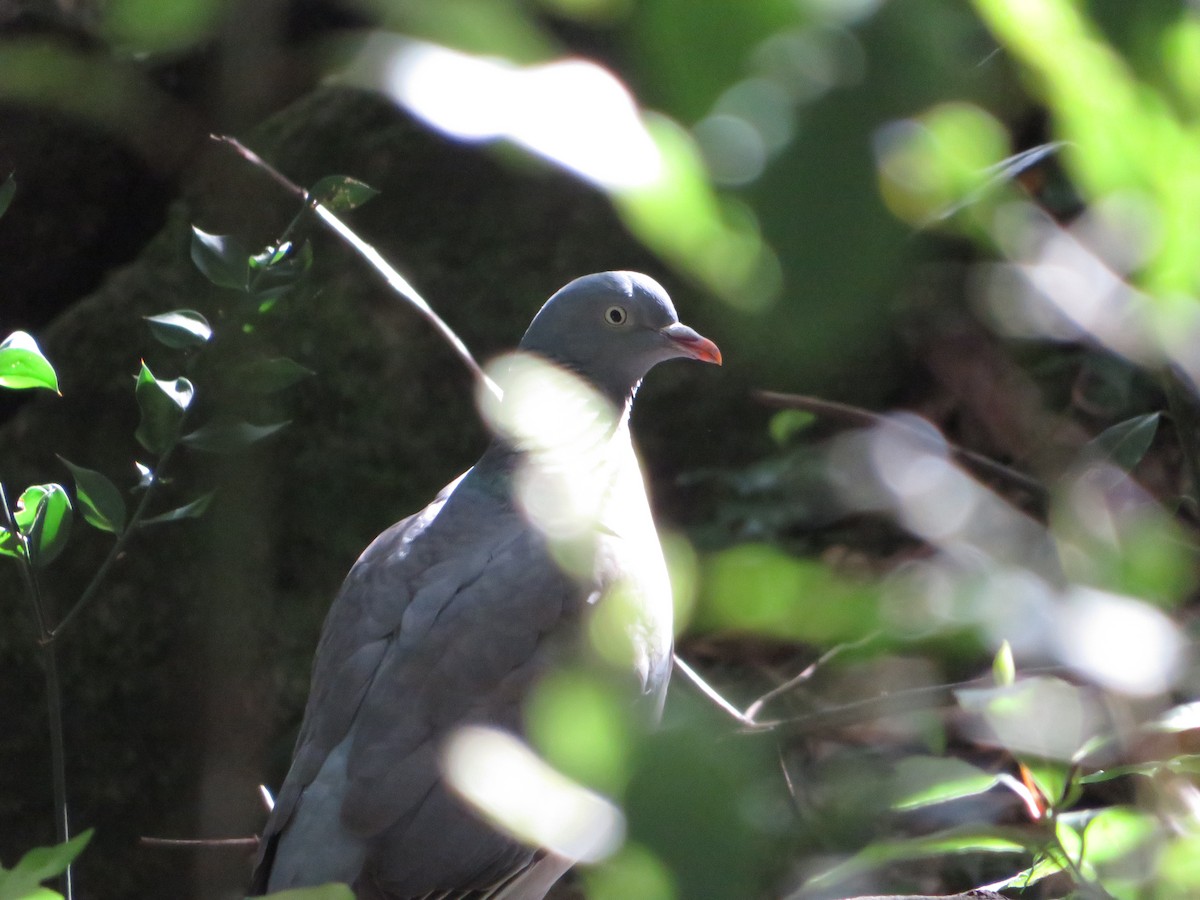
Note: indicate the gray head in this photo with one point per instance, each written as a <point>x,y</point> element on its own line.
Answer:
<point>612,328</point>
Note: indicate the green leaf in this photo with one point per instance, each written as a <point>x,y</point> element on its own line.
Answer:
<point>43,516</point>
<point>192,510</point>
<point>225,437</point>
<point>276,271</point>
<point>222,259</point>
<point>22,364</point>
<point>1126,442</point>
<point>40,863</point>
<point>7,190</point>
<point>100,502</point>
<point>266,376</point>
<point>163,404</point>
<point>341,193</point>
<point>180,329</point>
<point>928,780</point>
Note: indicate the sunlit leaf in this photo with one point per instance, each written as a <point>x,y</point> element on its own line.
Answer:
<point>192,510</point>
<point>162,404</point>
<point>266,376</point>
<point>7,191</point>
<point>341,193</point>
<point>39,864</point>
<point>1126,442</point>
<point>225,437</point>
<point>22,364</point>
<point>100,503</point>
<point>222,259</point>
<point>181,329</point>
<point>145,476</point>
<point>921,781</point>
<point>43,515</point>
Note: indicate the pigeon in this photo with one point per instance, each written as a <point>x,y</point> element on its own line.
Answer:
<point>453,614</point>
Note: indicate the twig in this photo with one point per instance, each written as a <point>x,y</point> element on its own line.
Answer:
<point>853,415</point>
<point>711,693</point>
<point>809,671</point>
<point>395,280</point>
<point>207,843</point>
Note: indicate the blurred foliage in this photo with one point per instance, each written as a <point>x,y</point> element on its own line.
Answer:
<point>952,675</point>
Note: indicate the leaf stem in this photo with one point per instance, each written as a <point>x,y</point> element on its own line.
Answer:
<point>54,716</point>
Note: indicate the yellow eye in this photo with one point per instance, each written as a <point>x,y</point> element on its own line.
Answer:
<point>616,315</point>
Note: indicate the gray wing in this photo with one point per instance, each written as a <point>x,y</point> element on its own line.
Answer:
<point>443,619</point>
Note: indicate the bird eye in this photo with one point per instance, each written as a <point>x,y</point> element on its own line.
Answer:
<point>615,315</point>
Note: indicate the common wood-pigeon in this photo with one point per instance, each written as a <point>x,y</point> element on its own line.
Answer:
<point>451,615</point>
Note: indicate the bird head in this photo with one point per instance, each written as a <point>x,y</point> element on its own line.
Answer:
<point>612,328</point>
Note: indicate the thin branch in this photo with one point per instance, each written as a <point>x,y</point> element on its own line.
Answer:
<point>395,280</point>
<point>854,415</point>
<point>809,671</point>
<point>54,716</point>
<point>90,592</point>
<point>711,693</point>
<point>248,843</point>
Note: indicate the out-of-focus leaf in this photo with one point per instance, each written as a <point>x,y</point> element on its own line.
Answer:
<point>192,510</point>
<point>341,193</point>
<point>142,26</point>
<point>329,891</point>
<point>1117,832</point>
<point>581,725</point>
<point>632,872</point>
<point>222,259</point>
<point>928,780</point>
<point>1126,442</point>
<point>7,191</point>
<point>23,880</point>
<point>944,161</point>
<point>1179,867</point>
<point>43,515</point>
<point>22,364</point>
<point>1004,670</point>
<point>942,843</point>
<point>760,589</point>
<point>225,437</point>
<point>787,423</point>
<point>100,503</point>
<point>181,329</point>
<point>162,404</point>
<point>266,376</point>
